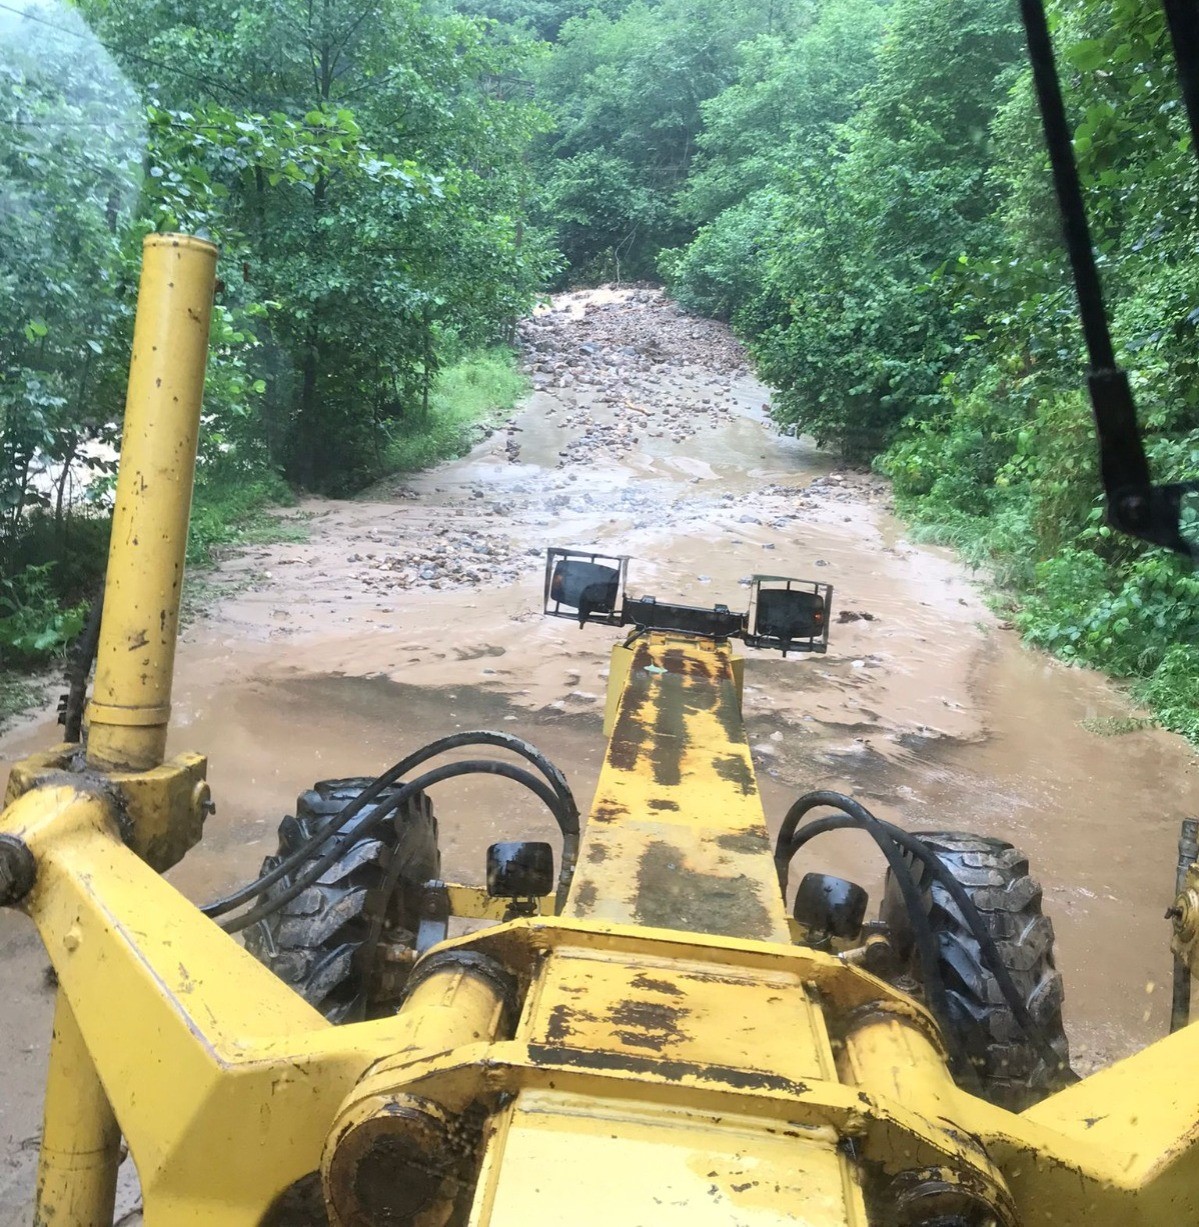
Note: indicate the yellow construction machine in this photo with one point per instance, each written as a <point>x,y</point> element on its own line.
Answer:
<point>650,1036</point>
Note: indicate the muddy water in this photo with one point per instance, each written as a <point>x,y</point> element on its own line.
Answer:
<point>338,655</point>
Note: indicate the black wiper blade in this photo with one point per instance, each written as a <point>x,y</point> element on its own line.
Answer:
<point>1134,505</point>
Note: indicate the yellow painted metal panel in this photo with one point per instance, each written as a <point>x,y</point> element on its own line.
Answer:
<point>676,837</point>
<point>618,673</point>
<point>200,1049</point>
<point>685,1013</point>
<point>226,1084</point>
<point>634,1164</point>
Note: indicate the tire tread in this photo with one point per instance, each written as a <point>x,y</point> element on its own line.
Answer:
<point>311,941</point>
<point>1011,1070</point>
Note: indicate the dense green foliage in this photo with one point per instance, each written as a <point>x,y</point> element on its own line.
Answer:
<point>859,186</point>
<point>362,166</point>
<point>627,86</point>
<point>898,274</point>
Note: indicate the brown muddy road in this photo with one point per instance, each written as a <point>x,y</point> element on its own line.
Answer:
<point>416,613</point>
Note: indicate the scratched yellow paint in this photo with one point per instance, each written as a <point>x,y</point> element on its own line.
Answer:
<point>131,701</point>
<point>641,1164</point>
<point>760,1023</point>
<point>672,1059</point>
<point>677,836</point>
<point>226,1085</point>
<point>655,1075</point>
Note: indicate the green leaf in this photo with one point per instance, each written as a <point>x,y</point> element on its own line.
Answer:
<point>1087,55</point>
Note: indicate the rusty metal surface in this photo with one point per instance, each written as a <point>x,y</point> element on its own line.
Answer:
<point>676,837</point>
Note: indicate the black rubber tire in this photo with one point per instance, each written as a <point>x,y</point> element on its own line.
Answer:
<point>312,942</point>
<point>1012,1070</point>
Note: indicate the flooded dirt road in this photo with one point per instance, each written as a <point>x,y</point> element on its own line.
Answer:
<point>415,612</point>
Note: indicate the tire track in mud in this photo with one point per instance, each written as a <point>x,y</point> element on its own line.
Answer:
<point>415,611</point>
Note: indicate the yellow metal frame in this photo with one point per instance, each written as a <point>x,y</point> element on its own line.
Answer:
<point>131,705</point>
<point>226,1085</point>
<point>660,1051</point>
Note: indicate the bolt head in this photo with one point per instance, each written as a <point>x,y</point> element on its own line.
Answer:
<point>1185,915</point>
<point>202,803</point>
<point>1134,510</point>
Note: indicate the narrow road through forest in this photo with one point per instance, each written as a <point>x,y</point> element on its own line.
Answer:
<point>414,611</point>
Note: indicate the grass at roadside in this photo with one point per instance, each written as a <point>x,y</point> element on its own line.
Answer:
<point>19,693</point>
<point>479,389</point>
<point>229,514</point>
<point>37,623</point>
<point>225,518</point>
<point>1132,617</point>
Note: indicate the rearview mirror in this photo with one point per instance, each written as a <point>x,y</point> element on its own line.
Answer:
<point>789,614</point>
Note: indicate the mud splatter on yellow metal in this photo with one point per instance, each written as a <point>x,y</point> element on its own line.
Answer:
<point>677,837</point>
<point>660,1053</point>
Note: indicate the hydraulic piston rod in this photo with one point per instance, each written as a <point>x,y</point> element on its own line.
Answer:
<point>132,700</point>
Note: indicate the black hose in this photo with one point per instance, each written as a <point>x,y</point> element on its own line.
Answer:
<point>427,780</point>
<point>857,817</point>
<point>1180,999</point>
<point>566,811</point>
<point>922,932</point>
<point>83,656</point>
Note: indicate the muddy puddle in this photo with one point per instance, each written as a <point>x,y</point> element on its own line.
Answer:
<point>415,612</point>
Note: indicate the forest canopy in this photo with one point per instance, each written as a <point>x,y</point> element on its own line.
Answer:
<point>859,187</point>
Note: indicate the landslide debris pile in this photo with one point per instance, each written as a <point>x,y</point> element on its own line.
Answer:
<point>449,556</point>
<point>633,368</point>
<point>631,336</point>
<point>618,371</point>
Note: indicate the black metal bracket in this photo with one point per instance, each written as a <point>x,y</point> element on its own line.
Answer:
<point>434,916</point>
<point>647,613</point>
<point>1134,505</point>
<point>789,615</point>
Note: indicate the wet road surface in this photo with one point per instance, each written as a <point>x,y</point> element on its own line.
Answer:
<point>415,612</point>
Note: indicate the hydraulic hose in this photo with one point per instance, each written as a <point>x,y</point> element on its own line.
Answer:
<point>856,817</point>
<point>926,942</point>
<point>564,809</point>
<point>427,780</point>
<point>1188,852</point>
<point>83,656</point>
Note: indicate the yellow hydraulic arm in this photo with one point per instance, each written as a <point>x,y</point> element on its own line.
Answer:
<point>660,1052</point>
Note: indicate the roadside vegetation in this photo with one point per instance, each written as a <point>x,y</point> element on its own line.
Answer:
<point>858,186</point>
<point>861,188</point>
<point>363,167</point>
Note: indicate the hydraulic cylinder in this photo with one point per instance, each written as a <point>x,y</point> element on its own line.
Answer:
<point>135,661</point>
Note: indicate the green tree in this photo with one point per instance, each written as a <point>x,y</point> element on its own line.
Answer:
<point>870,333</point>
<point>627,92</point>
<point>69,170</point>
<point>761,136</point>
<point>399,244</point>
